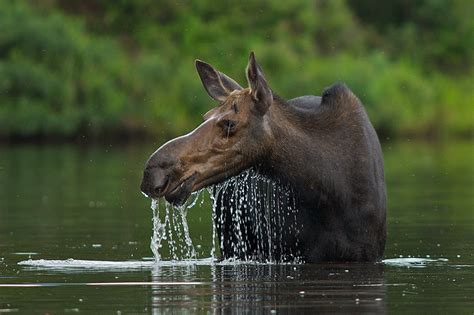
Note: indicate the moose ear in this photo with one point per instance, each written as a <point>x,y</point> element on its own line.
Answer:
<point>261,92</point>
<point>217,84</point>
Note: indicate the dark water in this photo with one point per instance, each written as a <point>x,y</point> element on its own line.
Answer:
<point>59,202</point>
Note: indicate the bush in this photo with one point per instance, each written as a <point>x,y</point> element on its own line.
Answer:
<point>95,68</point>
<point>56,80</point>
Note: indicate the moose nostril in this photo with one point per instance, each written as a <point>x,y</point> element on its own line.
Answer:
<point>159,188</point>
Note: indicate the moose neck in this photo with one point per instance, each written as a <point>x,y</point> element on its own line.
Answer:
<point>303,154</point>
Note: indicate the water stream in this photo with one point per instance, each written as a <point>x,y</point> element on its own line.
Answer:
<point>253,218</point>
<point>170,226</point>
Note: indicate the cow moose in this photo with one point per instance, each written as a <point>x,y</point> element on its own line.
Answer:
<point>324,147</point>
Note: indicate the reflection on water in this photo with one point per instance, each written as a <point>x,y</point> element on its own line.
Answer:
<point>74,219</point>
<point>236,286</point>
<point>286,288</point>
<point>239,286</point>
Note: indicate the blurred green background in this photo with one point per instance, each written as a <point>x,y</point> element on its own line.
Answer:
<point>99,73</point>
<point>124,69</point>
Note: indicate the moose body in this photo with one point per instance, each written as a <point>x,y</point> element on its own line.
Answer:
<point>325,148</point>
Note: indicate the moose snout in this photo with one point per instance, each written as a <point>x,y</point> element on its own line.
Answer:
<point>158,172</point>
<point>154,182</point>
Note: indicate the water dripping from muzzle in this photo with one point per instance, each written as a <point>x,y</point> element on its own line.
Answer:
<point>171,232</point>
<point>254,219</point>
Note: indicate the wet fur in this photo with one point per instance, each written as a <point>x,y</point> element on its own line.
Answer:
<point>327,150</point>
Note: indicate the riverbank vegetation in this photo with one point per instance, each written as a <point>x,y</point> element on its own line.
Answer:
<point>93,68</point>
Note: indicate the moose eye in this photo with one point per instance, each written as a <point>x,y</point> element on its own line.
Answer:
<point>227,125</point>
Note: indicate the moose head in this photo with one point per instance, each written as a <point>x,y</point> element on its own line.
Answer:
<point>234,136</point>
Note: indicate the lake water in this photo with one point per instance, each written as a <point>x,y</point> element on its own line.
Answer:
<point>75,236</point>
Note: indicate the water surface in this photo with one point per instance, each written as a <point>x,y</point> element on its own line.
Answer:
<point>74,219</point>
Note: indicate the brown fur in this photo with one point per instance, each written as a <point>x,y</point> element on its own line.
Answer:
<point>325,148</point>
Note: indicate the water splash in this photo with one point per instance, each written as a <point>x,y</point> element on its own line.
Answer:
<point>171,226</point>
<point>254,219</point>
<point>159,232</point>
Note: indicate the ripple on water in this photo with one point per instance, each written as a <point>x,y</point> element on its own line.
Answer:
<point>415,262</point>
<point>128,265</point>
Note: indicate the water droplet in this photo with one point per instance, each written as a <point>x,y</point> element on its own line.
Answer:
<point>254,218</point>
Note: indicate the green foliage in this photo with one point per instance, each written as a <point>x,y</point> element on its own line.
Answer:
<point>56,80</point>
<point>437,34</point>
<point>96,67</point>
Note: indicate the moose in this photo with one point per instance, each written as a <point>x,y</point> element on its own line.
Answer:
<point>324,147</point>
